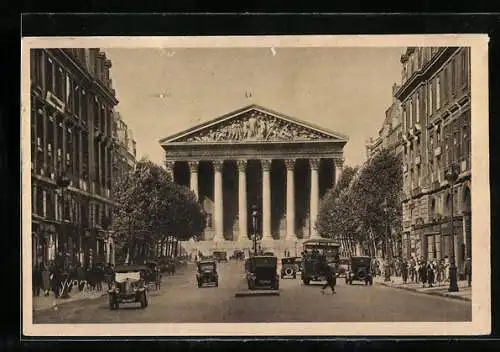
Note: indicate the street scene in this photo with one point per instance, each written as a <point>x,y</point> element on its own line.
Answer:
<point>180,301</point>
<point>246,185</point>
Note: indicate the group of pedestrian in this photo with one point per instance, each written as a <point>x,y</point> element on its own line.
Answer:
<point>60,279</point>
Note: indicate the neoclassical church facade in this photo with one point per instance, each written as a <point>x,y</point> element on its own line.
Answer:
<point>255,170</point>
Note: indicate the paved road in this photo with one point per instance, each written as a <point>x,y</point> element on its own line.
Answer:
<point>181,301</point>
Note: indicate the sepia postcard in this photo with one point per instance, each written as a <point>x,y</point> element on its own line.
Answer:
<point>255,186</point>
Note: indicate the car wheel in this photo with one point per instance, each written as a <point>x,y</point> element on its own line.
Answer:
<point>117,305</point>
<point>199,284</point>
<point>111,305</point>
<point>306,281</point>
<point>217,283</point>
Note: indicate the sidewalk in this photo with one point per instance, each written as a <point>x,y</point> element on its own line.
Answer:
<point>43,303</point>
<point>464,293</point>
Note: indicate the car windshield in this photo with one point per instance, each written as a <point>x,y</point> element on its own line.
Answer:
<point>130,275</point>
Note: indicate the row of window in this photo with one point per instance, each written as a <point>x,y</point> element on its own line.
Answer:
<point>448,83</point>
<point>417,60</point>
<point>48,204</point>
<point>58,148</point>
<point>455,148</point>
<point>51,76</point>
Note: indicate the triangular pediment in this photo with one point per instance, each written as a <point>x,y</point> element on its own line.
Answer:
<point>254,124</point>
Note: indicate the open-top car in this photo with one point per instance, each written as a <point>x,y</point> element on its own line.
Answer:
<point>262,272</point>
<point>360,270</point>
<point>128,286</point>
<point>220,256</point>
<point>207,273</point>
<point>288,268</point>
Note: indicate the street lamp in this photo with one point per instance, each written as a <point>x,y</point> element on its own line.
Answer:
<point>388,245</point>
<point>63,183</point>
<point>451,177</point>
<point>254,223</point>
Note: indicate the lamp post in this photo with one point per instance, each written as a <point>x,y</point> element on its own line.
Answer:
<point>451,177</point>
<point>295,247</point>
<point>254,223</point>
<point>387,245</point>
<point>62,183</point>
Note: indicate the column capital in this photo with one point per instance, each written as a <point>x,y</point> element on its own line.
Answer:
<point>169,164</point>
<point>266,164</point>
<point>193,166</point>
<point>339,161</point>
<point>314,163</point>
<point>241,165</point>
<point>218,164</point>
<point>290,164</point>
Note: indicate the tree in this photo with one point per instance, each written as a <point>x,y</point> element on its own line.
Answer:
<point>336,219</point>
<point>376,198</point>
<point>150,208</point>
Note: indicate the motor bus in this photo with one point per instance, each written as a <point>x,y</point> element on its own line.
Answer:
<point>313,252</point>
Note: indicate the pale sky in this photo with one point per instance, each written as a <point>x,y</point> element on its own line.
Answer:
<point>342,89</point>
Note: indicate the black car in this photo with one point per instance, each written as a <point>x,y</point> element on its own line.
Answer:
<point>262,272</point>
<point>220,256</point>
<point>360,270</point>
<point>128,286</point>
<point>288,268</point>
<point>207,273</point>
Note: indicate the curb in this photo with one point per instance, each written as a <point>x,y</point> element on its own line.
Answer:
<point>260,293</point>
<point>439,294</point>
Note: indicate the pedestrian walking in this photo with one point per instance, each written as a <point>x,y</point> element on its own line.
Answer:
<point>37,280</point>
<point>330,276</point>
<point>468,271</point>
<point>45,280</point>
<point>422,273</point>
<point>430,274</point>
<point>404,271</point>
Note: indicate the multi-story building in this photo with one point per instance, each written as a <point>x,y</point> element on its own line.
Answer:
<point>389,135</point>
<point>435,97</point>
<point>125,151</point>
<point>72,103</point>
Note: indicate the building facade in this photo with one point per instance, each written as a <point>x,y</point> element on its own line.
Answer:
<point>72,103</point>
<point>435,98</point>
<point>254,157</point>
<point>124,158</point>
<point>390,134</point>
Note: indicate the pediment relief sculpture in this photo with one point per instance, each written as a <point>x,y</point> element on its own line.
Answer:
<point>255,126</point>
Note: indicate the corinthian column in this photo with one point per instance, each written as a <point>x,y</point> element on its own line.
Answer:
<point>193,182</point>
<point>218,209</point>
<point>266,199</point>
<point>314,202</point>
<point>242,200</point>
<point>338,164</point>
<point>290,200</point>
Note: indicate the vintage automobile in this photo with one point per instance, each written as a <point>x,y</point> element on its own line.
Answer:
<point>207,273</point>
<point>128,286</point>
<point>220,256</point>
<point>261,272</point>
<point>343,267</point>
<point>288,268</point>
<point>238,255</point>
<point>360,270</point>
<point>316,254</point>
